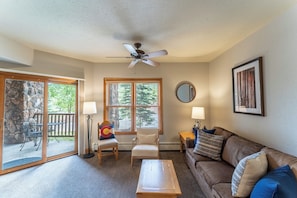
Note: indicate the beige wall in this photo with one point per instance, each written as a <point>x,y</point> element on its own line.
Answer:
<point>177,115</point>
<point>50,65</point>
<point>277,43</point>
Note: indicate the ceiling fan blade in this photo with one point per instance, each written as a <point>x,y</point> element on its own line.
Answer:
<point>133,63</point>
<point>118,57</point>
<point>150,62</point>
<point>157,53</point>
<point>131,49</point>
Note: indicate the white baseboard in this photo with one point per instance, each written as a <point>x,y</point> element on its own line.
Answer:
<point>163,146</point>
<point>127,146</point>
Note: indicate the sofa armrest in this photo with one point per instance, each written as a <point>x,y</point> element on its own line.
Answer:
<point>189,143</point>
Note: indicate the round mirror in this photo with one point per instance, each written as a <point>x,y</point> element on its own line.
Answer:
<point>185,91</point>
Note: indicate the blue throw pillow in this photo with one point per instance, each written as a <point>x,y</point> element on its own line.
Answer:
<point>278,183</point>
<point>195,131</point>
<point>210,131</point>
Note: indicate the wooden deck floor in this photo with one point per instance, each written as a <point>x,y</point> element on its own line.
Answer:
<point>56,146</point>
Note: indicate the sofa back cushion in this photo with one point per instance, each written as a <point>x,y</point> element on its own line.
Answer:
<point>277,159</point>
<point>223,132</point>
<point>236,148</point>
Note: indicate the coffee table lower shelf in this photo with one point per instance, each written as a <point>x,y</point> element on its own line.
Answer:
<point>157,179</point>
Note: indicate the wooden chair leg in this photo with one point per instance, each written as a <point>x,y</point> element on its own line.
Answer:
<point>99,155</point>
<point>116,153</point>
<point>131,160</point>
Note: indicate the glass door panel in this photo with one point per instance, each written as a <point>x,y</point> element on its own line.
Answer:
<point>61,118</point>
<point>22,132</point>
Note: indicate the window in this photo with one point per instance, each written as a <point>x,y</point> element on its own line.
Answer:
<point>133,103</point>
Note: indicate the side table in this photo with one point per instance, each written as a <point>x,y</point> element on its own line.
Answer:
<point>183,135</point>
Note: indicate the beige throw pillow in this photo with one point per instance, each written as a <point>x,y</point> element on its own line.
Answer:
<point>146,139</point>
<point>247,172</point>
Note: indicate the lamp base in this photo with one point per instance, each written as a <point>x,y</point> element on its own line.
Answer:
<point>88,155</point>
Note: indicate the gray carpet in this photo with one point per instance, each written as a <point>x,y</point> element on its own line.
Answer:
<point>75,177</point>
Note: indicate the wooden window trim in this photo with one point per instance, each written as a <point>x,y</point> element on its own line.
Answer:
<point>134,80</point>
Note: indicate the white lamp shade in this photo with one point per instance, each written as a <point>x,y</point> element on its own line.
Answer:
<point>89,108</point>
<point>198,113</point>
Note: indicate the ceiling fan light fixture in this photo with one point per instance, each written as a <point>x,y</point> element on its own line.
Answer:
<point>137,45</point>
<point>140,55</point>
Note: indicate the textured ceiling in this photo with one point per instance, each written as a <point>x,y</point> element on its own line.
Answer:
<point>91,30</point>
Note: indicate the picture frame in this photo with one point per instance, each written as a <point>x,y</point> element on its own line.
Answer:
<point>248,87</point>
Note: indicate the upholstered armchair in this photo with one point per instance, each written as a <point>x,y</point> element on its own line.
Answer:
<point>145,145</point>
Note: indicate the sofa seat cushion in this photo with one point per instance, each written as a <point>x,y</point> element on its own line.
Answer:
<point>237,148</point>
<point>222,190</point>
<point>196,157</point>
<point>215,172</point>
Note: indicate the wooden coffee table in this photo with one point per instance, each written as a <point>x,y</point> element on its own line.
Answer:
<point>157,179</point>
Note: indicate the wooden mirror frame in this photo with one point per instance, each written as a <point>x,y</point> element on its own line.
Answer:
<point>185,91</point>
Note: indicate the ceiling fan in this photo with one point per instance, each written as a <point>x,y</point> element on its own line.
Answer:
<point>139,55</point>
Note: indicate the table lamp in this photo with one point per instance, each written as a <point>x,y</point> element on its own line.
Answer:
<point>89,109</point>
<point>198,114</point>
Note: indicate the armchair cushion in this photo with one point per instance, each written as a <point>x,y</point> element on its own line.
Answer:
<point>147,139</point>
<point>107,142</point>
<point>145,151</point>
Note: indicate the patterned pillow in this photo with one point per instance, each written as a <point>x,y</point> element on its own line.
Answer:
<point>209,145</point>
<point>105,130</point>
<point>247,172</point>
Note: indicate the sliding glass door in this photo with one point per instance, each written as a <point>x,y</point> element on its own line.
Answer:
<point>61,118</point>
<point>22,135</point>
<point>38,120</point>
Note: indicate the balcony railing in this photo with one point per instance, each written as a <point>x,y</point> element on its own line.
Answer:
<point>59,124</point>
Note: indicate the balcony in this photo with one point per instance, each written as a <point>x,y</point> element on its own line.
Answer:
<point>61,139</point>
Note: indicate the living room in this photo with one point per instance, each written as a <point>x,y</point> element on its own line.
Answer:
<point>276,42</point>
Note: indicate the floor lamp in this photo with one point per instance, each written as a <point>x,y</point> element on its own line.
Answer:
<point>89,109</point>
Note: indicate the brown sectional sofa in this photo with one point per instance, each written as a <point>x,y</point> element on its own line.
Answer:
<point>214,177</point>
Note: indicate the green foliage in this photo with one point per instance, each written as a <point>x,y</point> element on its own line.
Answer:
<point>146,95</point>
<point>125,99</point>
<point>61,98</point>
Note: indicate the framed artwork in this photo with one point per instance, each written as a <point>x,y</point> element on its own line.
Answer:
<point>248,88</point>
